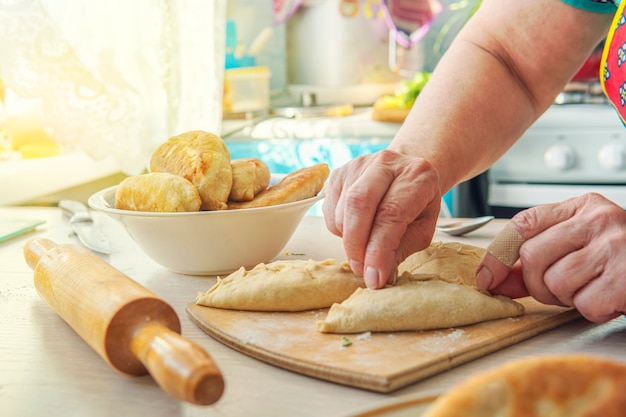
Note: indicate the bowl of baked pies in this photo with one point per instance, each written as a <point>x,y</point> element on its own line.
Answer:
<point>199,212</point>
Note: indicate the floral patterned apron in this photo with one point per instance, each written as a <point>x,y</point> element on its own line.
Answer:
<point>613,64</point>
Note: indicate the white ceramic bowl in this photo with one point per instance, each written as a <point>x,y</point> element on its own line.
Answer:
<point>208,242</point>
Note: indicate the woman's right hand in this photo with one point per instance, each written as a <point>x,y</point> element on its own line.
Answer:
<point>385,206</point>
<point>572,255</point>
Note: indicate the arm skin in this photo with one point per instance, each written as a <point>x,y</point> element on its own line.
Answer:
<point>502,71</point>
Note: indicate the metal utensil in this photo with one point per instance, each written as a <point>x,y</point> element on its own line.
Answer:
<point>307,108</point>
<point>462,227</point>
<point>84,226</point>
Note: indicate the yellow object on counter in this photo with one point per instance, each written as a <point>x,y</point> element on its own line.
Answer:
<point>341,110</point>
<point>39,150</point>
<point>27,135</point>
<point>246,89</point>
<point>396,107</point>
<point>3,90</point>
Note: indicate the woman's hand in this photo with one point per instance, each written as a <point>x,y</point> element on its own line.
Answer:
<point>574,254</point>
<point>385,207</point>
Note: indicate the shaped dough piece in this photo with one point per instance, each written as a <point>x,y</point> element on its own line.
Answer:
<point>157,192</point>
<point>203,159</point>
<point>299,185</point>
<point>250,177</point>
<point>416,302</point>
<point>545,386</point>
<point>450,261</point>
<point>296,285</point>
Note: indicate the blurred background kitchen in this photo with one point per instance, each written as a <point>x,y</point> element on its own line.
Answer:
<point>89,89</point>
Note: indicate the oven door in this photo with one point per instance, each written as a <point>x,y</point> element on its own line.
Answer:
<point>571,150</point>
<point>505,200</point>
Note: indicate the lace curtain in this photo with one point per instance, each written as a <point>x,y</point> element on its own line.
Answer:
<point>116,77</point>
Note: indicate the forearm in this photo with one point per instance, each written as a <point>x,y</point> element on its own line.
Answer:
<point>502,72</point>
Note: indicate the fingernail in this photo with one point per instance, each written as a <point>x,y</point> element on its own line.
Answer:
<point>484,278</point>
<point>371,277</point>
<point>356,267</point>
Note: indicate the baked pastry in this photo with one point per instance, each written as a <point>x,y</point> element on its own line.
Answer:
<point>436,289</point>
<point>158,192</point>
<point>299,185</point>
<point>414,303</point>
<point>250,177</point>
<point>545,386</point>
<point>203,159</point>
<point>292,285</point>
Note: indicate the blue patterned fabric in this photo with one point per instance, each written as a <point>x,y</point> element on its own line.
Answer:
<point>283,156</point>
<point>600,6</point>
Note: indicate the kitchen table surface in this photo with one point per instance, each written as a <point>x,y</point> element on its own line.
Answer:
<point>46,369</point>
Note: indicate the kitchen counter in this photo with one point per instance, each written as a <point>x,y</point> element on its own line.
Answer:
<point>30,181</point>
<point>46,369</point>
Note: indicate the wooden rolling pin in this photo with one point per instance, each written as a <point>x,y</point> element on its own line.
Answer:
<point>131,328</point>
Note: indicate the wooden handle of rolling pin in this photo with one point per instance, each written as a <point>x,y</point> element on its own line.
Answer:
<point>131,328</point>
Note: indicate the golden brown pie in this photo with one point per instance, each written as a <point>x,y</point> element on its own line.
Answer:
<point>545,386</point>
<point>250,177</point>
<point>299,185</point>
<point>157,192</point>
<point>203,159</point>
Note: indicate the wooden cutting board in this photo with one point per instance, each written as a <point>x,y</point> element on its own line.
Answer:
<point>381,362</point>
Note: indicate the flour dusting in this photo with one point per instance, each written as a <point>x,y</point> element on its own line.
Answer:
<point>457,334</point>
<point>442,341</point>
<point>364,336</point>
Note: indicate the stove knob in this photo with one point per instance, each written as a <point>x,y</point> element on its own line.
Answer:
<point>612,156</point>
<point>560,157</point>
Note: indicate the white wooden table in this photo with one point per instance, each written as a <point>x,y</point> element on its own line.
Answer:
<point>47,370</point>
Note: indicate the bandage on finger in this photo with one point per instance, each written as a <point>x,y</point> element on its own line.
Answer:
<point>506,245</point>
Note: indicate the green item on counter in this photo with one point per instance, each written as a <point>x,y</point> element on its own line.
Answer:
<point>406,95</point>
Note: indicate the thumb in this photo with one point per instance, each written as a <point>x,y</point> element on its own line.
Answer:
<point>490,273</point>
<point>508,281</point>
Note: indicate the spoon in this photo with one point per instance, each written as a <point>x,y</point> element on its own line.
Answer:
<point>464,226</point>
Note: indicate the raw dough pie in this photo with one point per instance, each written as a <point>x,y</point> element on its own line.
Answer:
<point>416,302</point>
<point>294,285</point>
<point>451,261</point>
<point>436,289</point>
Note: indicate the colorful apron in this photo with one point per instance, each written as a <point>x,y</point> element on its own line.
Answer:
<point>613,64</point>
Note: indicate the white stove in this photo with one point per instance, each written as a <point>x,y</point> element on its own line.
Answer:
<point>572,149</point>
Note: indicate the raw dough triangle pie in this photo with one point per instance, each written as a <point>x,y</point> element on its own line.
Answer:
<point>422,300</point>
